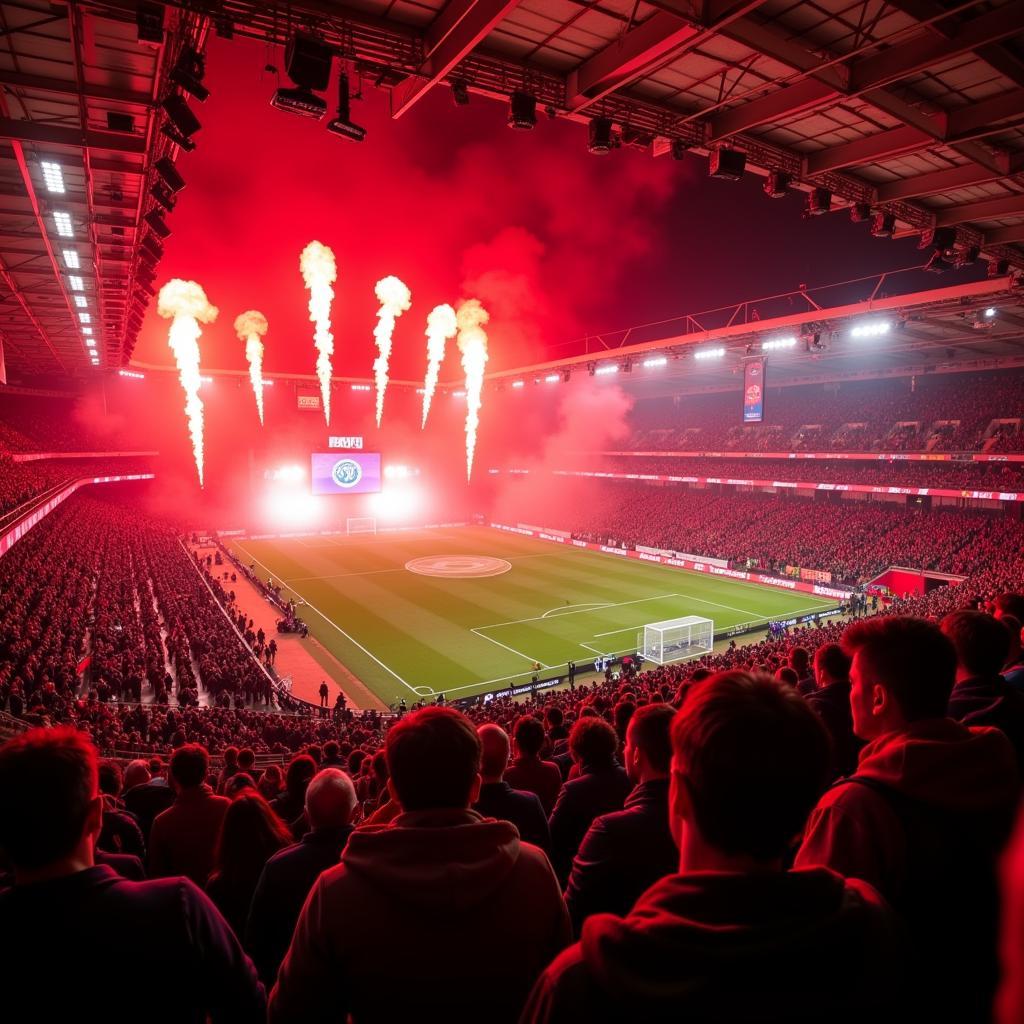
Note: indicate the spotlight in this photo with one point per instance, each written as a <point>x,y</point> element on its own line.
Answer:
<point>169,174</point>
<point>860,212</point>
<point>655,361</point>
<point>775,344</point>
<point>679,149</point>
<point>519,383</point>
<point>185,123</point>
<point>776,185</point>
<point>155,219</point>
<point>938,239</point>
<point>728,164</point>
<point>522,111</point>
<point>149,246</point>
<point>709,353</point>
<point>149,20</point>
<point>343,125</point>
<point>599,136</point>
<point>990,312</point>
<point>606,370</point>
<point>177,138</point>
<point>460,92</point>
<point>53,176</point>
<point>871,329</point>
<point>883,225</point>
<point>636,139</point>
<point>189,72</point>
<point>307,63</point>
<point>998,268</point>
<point>62,221</point>
<point>162,196</point>
<point>553,378</point>
<point>819,201</point>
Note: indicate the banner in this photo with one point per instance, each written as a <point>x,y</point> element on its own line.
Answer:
<point>753,390</point>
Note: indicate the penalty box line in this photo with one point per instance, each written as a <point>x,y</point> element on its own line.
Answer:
<point>580,609</point>
<point>331,622</point>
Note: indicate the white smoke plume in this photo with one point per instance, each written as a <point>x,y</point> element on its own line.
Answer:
<point>250,326</point>
<point>394,298</point>
<point>185,304</point>
<point>441,325</point>
<point>319,271</point>
<point>472,342</point>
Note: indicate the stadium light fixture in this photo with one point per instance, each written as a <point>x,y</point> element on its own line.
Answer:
<point>87,330</point>
<point>522,111</point>
<point>553,378</point>
<point>77,284</point>
<point>131,374</point>
<point>519,383</point>
<point>189,72</point>
<point>655,362</point>
<point>268,383</point>
<point>85,318</point>
<point>607,370</point>
<point>183,123</point>
<point>872,329</point>
<point>71,259</point>
<point>775,344</point>
<point>709,353</point>
<point>361,387</point>
<point>342,124</point>
<point>458,394</point>
<point>307,62</point>
<point>990,312</point>
<point>81,301</point>
<point>600,140</point>
<point>205,380</point>
<point>62,219</point>
<point>53,176</point>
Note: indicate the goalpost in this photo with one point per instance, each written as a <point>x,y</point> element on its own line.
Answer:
<point>361,524</point>
<point>676,639</point>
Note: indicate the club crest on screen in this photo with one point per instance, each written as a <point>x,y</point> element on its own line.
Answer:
<point>347,473</point>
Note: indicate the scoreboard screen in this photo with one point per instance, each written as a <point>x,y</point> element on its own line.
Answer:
<point>348,472</point>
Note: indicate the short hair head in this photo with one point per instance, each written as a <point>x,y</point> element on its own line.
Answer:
<point>830,660</point>
<point>301,769</point>
<point>110,777</point>
<point>529,736</point>
<point>593,741</point>
<point>494,750</point>
<point>910,657</point>
<point>433,758</point>
<point>330,799</point>
<point>190,764</point>
<point>48,781</point>
<point>754,759</point>
<point>982,643</point>
<point>649,732</point>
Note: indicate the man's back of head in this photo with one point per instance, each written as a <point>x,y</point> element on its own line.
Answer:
<point>982,643</point>
<point>749,761</point>
<point>494,751</point>
<point>433,758</point>
<point>190,765</point>
<point>529,736</point>
<point>648,750</point>
<point>593,741</point>
<point>831,665</point>
<point>330,799</point>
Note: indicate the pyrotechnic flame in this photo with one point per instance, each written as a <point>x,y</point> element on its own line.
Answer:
<point>441,325</point>
<point>186,305</point>
<point>473,346</point>
<point>394,298</point>
<point>250,326</point>
<point>319,271</point>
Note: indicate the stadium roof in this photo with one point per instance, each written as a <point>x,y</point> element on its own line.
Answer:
<point>907,108</point>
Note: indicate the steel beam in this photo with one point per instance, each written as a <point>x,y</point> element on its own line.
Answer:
<point>986,209</point>
<point>57,135</point>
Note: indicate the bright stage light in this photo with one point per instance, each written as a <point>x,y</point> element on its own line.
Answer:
<point>81,301</point>
<point>607,370</point>
<point>396,471</point>
<point>396,504</point>
<point>53,177</point>
<point>292,508</point>
<point>63,222</point>
<point>709,353</point>
<point>71,258</point>
<point>458,394</point>
<point>519,383</point>
<point>85,318</point>
<point>361,387</point>
<point>287,474</point>
<point>650,364</point>
<point>76,282</point>
<point>87,330</point>
<point>553,378</point>
<point>775,344</point>
<point>268,383</point>
<point>990,312</point>
<point>870,330</point>
<point>205,380</point>
<point>133,374</point>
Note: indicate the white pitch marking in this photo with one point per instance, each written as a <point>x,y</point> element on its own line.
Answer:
<point>538,618</point>
<point>593,604</point>
<point>533,661</point>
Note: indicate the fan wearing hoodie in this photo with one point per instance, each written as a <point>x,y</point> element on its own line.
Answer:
<point>451,902</point>
<point>925,814</point>
<point>734,936</point>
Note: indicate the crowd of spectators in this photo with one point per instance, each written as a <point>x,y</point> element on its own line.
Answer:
<point>934,412</point>
<point>20,482</point>
<point>36,423</point>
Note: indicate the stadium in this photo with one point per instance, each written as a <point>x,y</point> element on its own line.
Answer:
<point>523,498</point>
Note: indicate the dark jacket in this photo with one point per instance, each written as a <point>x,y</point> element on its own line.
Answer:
<point>923,820</point>
<point>596,791</point>
<point>991,702</point>
<point>282,889</point>
<point>706,946</point>
<point>438,916</point>
<point>120,832</point>
<point>184,836</point>
<point>127,865</point>
<point>499,800</point>
<point>832,705</point>
<point>147,801</point>
<point>622,855</point>
<point>535,776</point>
<point>92,946</point>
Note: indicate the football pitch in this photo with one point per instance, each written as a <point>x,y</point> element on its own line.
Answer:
<point>406,634</point>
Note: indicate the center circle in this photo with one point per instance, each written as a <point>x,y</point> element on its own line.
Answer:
<point>458,567</point>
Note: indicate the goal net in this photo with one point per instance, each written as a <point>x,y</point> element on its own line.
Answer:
<point>676,639</point>
<point>361,524</point>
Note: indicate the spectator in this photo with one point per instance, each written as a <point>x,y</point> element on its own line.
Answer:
<point>499,800</point>
<point>602,786</point>
<point>147,798</point>
<point>230,768</point>
<point>526,770</point>
<point>290,804</point>
<point>800,663</point>
<point>981,696</point>
<point>290,874</point>
<point>67,919</point>
<point>627,851</point>
<point>733,935</point>
<point>454,882</point>
<point>927,811</point>
<point>271,783</point>
<point>831,702</point>
<point>120,832</point>
<point>237,783</point>
<point>1013,669</point>
<point>185,835</point>
<point>250,834</point>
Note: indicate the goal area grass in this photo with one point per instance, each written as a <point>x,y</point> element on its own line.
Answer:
<point>468,610</point>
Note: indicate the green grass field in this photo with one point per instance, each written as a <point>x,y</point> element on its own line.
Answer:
<point>405,634</point>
